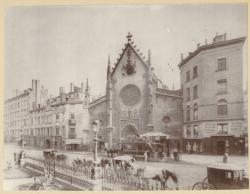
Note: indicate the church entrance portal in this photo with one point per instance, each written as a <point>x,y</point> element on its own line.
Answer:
<point>129,132</point>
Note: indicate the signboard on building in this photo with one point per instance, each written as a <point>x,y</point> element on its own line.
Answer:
<point>210,128</point>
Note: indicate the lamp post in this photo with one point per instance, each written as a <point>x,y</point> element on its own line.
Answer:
<point>96,126</point>
<point>22,137</point>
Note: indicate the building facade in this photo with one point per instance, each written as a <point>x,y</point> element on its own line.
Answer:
<point>207,115</point>
<point>16,110</point>
<point>59,123</point>
<point>136,101</point>
<point>213,104</point>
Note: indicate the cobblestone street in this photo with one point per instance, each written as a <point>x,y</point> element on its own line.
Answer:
<point>190,170</point>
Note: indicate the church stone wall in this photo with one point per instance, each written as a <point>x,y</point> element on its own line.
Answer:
<point>131,113</point>
<point>171,107</point>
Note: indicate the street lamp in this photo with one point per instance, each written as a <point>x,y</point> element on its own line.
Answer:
<point>22,137</point>
<point>96,127</point>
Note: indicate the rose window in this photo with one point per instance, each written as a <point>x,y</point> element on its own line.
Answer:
<point>130,95</point>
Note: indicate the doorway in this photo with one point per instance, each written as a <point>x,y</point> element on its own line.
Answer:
<point>221,147</point>
<point>47,143</point>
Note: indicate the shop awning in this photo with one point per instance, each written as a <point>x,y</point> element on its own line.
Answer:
<point>123,158</point>
<point>155,134</point>
<point>73,141</point>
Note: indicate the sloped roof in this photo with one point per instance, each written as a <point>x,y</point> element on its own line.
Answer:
<point>210,46</point>
<point>133,47</point>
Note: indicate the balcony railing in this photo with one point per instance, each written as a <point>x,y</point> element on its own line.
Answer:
<point>72,121</point>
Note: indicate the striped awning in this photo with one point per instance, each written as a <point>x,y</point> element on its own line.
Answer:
<point>73,141</point>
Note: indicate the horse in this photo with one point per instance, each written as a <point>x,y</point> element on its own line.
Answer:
<point>165,177</point>
<point>110,152</point>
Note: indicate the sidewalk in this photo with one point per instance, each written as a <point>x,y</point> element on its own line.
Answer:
<point>209,159</point>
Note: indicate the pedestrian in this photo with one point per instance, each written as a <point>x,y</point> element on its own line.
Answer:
<point>225,158</point>
<point>194,147</point>
<point>188,147</point>
<point>163,156</point>
<point>145,156</point>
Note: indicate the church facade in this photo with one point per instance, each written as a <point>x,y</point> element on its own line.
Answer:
<point>136,101</point>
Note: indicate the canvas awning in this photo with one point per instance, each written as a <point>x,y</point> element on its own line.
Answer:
<point>155,134</point>
<point>123,158</point>
<point>73,141</point>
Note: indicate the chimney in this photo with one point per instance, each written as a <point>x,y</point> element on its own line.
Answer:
<point>82,86</point>
<point>61,90</point>
<point>198,45</point>
<point>17,92</point>
<point>182,56</point>
<point>71,87</point>
<point>219,38</point>
<point>225,36</point>
<point>189,53</point>
<point>205,41</point>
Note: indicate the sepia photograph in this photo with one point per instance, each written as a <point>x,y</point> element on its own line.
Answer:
<point>125,97</point>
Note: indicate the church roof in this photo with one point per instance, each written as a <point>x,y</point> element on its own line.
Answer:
<point>130,44</point>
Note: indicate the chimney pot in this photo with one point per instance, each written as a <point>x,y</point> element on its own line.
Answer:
<point>71,87</point>
<point>61,90</point>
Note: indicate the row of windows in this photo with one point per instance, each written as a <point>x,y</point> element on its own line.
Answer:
<point>15,105</point>
<point>19,123</point>
<point>222,89</point>
<point>195,74</point>
<point>194,132</point>
<point>222,128</point>
<point>59,131</point>
<point>195,112</point>
<point>48,118</point>
<point>221,66</point>
<point>195,93</point>
<point>41,120</point>
<point>222,110</point>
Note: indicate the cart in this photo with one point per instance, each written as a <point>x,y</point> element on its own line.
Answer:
<point>223,176</point>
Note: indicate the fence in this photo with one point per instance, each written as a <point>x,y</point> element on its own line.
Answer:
<point>111,180</point>
<point>80,177</point>
<point>36,165</point>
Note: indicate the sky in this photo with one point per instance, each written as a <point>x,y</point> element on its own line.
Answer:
<point>63,44</point>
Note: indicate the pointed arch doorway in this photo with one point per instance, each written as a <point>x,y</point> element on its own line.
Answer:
<point>129,136</point>
<point>129,132</point>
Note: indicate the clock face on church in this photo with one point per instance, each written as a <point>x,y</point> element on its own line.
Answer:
<point>130,95</point>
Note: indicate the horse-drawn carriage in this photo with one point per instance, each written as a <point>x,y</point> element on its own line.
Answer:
<point>223,176</point>
<point>51,153</point>
<point>125,166</point>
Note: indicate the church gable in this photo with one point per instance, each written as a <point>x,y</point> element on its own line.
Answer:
<point>130,59</point>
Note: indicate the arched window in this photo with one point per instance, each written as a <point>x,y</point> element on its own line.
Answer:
<point>166,120</point>
<point>195,112</point>
<point>188,114</point>
<point>222,107</point>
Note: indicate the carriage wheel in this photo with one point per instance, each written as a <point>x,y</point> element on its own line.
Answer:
<point>198,186</point>
<point>205,180</point>
<point>208,186</point>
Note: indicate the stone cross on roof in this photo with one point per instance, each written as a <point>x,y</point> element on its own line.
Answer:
<point>129,36</point>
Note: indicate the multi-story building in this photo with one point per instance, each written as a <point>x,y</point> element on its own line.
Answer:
<point>16,110</point>
<point>209,109</point>
<point>60,122</point>
<point>213,105</point>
